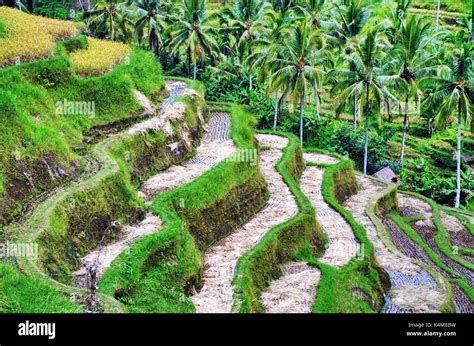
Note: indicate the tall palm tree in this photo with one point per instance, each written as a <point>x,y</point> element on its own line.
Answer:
<point>150,18</point>
<point>351,19</point>
<point>413,62</point>
<point>108,18</point>
<point>245,20</point>
<point>367,79</point>
<point>266,47</point>
<point>454,84</point>
<point>396,15</point>
<point>345,31</point>
<point>294,68</point>
<point>438,6</point>
<point>191,30</point>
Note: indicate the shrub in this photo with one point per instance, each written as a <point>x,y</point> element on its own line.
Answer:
<point>419,176</point>
<point>76,43</point>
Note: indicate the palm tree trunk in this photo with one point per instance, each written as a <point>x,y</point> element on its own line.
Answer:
<point>389,111</point>
<point>195,71</point>
<point>457,203</point>
<point>472,25</point>
<point>366,134</point>
<point>275,115</point>
<point>404,136</point>
<point>437,14</point>
<point>355,112</point>
<point>189,60</point>
<point>111,26</point>
<point>317,107</point>
<point>301,120</point>
<point>250,81</point>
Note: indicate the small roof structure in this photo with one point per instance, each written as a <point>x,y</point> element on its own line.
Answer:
<point>387,174</point>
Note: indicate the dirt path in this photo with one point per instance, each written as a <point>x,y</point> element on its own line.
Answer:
<point>221,259</point>
<point>294,291</point>
<point>413,289</point>
<point>217,134</point>
<point>342,245</point>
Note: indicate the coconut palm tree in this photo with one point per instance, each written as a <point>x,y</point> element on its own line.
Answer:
<point>413,62</point>
<point>191,30</point>
<point>266,47</point>
<point>453,86</point>
<point>244,21</point>
<point>367,79</point>
<point>438,6</point>
<point>350,20</point>
<point>312,11</point>
<point>294,68</point>
<point>149,18</point>
<point>345,31</point>
<point>108,18</point>
<point>395,16</point>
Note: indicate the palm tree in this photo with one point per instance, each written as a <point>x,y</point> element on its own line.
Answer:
<point>366,79</point>
<point>396,16</point>
<point>107,18</point>
<point>245,20</point>
<point>351,19</point>
<point>413,62</point>
<point>266,48</point>
<point>191,31</point>
<point>312,10</point>
<point>294,68</point>
<point>454,84</point>
<point>148,12</point>
<point>344,32</point>
<point>437,14</point>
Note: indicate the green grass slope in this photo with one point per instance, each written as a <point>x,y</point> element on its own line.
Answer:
<point>37,143</point>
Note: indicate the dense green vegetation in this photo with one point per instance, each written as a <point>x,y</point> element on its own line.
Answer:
<point>250,51</point>
<point>35,131</point>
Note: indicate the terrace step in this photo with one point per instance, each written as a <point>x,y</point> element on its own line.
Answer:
<point>412,288</point>
<point>294,291</point>
<point>221,259</point>
<point>342,246</point>
<point>216,145</point>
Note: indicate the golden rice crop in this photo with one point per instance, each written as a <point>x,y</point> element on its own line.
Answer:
<point>30,37</point>
<point>100,57</point>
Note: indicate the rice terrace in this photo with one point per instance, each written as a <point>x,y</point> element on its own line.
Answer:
<point>240,156</point>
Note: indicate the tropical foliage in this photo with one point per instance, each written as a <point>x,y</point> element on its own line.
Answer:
<point>393,67</point>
